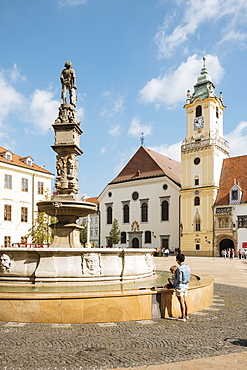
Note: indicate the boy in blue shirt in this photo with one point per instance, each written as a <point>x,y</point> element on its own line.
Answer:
<point>181,280</point>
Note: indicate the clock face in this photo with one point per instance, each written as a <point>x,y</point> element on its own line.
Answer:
<point>198,123</point>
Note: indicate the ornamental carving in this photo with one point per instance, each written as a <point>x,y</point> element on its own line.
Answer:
<point>148,260</point>
<point>66,114</point>
<point>67,173</point>
<point>135,226</point>
<point>91,264</point>
<point>5,262</point>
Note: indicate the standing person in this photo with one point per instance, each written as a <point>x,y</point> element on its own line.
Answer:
<point>181,280</point>
<point>239,254</point>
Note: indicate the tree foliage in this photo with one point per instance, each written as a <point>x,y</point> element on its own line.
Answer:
<point>40,232</point>
<point>83,232</point>
<point>115,233</point>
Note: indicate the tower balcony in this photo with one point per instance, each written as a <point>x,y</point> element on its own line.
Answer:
<point>195,145</point>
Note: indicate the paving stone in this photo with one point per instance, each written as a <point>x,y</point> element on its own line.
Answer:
<point>208,333</point>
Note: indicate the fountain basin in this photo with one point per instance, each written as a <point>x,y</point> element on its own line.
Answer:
<point>102,302</point>
<point>75,264</point>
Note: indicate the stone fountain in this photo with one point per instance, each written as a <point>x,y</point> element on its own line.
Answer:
<point>66,282</point>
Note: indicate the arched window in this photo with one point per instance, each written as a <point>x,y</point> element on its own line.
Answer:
<point>147,237</point>
<point>197,201</point>
<point>197,222</point>
<point>109,215</point>
<point>217,112</point>
<point>198,225</point>
<point>126,214</point>
<point>196,180</point>
<point>123,237</point>
<point>198,111</point>
<point>144,212</point>
<point>164,211</point>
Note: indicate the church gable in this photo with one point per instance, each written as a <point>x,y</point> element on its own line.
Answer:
<point>147,163</point>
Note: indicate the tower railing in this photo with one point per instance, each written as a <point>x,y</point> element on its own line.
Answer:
<point>195,145</point>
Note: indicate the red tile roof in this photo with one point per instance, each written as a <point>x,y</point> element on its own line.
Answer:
<point>147,163</point>
<point>93,200</point>
<point>19,161</point>
<point>234,168</point>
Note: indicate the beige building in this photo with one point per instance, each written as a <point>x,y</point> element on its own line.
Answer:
<point>230,209</point>
<point>144,198</point>
<point>22,185</point>
<point>202,155</point>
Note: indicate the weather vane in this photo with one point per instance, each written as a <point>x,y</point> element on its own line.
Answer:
<point>142,138</point>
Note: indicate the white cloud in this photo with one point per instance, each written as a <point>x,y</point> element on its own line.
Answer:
<point>114,104</point>
<point>136,128</point>
<point>170,89</point>
<point>196,13</point>
<point>11,100</point>
<point>68,3</point>
<point>238,139</point>
<point>114,130</point>
<point>171,151</point>
<point>15,74</point>
<point>43,110</point>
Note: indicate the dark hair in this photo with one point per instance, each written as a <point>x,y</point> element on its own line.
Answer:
<point>180,257</point>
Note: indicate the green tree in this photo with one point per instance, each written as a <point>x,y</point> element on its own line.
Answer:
<point>40,232</point>
<point>83,232</point>
<point>115,233</point>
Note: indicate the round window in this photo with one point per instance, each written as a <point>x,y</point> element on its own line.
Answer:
<point>165,186</point>
<point>110,194</point>
<point>135,195</point>
<point>197,160</point>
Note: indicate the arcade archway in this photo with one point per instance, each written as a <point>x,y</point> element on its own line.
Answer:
<point>226,244</point>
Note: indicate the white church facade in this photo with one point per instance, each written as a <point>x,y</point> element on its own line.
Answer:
<point>144,198</point>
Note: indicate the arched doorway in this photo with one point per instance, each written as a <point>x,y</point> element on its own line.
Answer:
<point>226,244</point>
<point>135,243</point>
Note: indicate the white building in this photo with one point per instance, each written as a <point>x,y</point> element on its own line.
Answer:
<point>92,221</point>
<point>144,198</point>
<point>22,185</point>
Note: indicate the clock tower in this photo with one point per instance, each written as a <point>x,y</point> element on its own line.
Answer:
<point>202,154</point>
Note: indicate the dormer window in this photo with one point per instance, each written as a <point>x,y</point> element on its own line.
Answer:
<point>198,111</point>
<point>8,155</point>
<point>235,194</point>
<point>27,160</point>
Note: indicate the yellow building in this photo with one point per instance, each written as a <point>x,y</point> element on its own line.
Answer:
<point>202,154</point>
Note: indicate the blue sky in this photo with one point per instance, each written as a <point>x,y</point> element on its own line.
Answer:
<point>134,62</point>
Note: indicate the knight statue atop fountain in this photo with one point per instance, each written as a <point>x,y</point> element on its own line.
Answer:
<point>68,80</point>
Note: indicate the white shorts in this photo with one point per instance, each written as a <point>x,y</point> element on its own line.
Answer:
<point>181,292</point>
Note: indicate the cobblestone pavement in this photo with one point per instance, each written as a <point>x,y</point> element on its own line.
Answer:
<point>218,330</point>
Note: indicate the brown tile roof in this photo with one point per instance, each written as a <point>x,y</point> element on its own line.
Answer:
<point>93,200</point>
<point>232,168</point>
<point>147,163</point>
<point>19,161</point>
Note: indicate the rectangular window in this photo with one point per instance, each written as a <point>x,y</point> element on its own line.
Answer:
<point>242,222</point>
<point>8,181</point>
<point>7,241</point>
<point>197,247</point>
<point>24,184</point>
<point>23,214</point>
<point>7,212</point>
<point>40,187</point>
<point>234,194</point>
<point>223,222</point>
